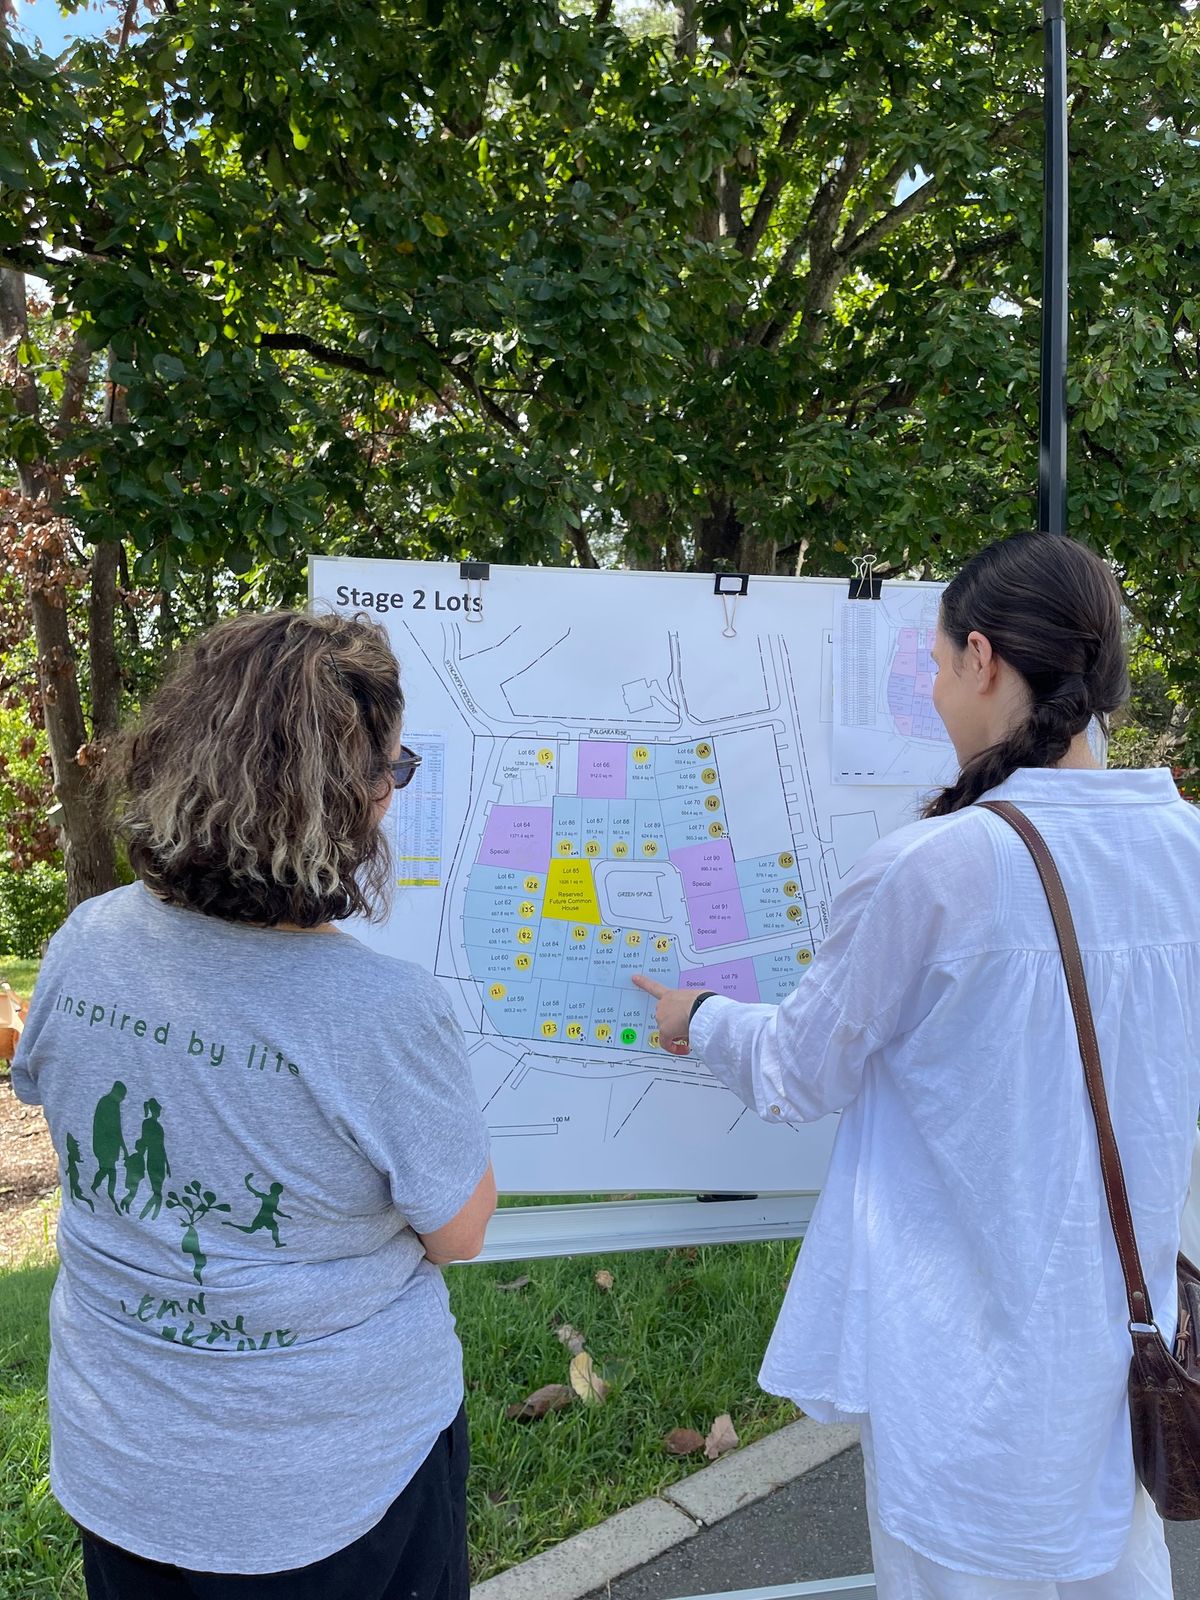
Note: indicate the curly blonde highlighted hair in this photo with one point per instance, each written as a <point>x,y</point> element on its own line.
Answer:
<point>251,785</point>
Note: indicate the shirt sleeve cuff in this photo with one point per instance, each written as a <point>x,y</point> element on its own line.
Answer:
<point>704,1021</point>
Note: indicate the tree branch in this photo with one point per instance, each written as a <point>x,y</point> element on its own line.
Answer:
<point>751,234</point>
<point>345,361</point>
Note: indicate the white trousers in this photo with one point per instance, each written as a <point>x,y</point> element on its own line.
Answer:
<point>901,1573</point>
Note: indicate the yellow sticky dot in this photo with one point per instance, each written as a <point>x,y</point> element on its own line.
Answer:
<point>524,935</point>
<point>704,751</point>
<point>709,775</point>
<point>592,847</point>
<point>527,909</point>
<point>791,887</point>
<point>641,755</point>
<point>650,848</point>
<point>522,963</point>
<point>497,991</point>
<point>633,938</point>
<point>787,859</point>
<point>620,849</point>
<point>579,935</point>
<point>603,1032</point>
<point>606,936</point>
<point>549,1029</point>
<point>532,885</point>
<point>654,1037</point>
<point>662,943</point>
<point>574,1030</point>
<point>803,957</point>
<point>716,830</point>
<point>794,913</point>
<point>564,847</point>
<point>546,758</point>
<point>712,802</point>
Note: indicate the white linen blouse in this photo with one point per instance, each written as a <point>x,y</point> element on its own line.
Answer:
<point>959,1282</point>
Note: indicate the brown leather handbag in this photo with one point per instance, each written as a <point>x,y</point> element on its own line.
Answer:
<point>1164,1384</point>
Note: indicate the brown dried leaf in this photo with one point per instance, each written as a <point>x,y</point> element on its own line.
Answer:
<point>586,1381</point>
<point>605,1279</point>
<point>683,1442</point>
<point>550,1397</point>
<point>571,1337</point>
<point>517,1283</point>
<point>722,1436</point>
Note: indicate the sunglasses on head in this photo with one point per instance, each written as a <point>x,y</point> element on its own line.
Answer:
<point>404,767</point>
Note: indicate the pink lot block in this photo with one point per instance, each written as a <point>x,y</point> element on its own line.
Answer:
<point>735,979</point>
<point>602,769</point>
<point>706,868</point>
<point>518,837</point>
<point>717,920</point>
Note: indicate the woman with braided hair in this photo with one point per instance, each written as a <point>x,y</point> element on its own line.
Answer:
<point>959,1291</point>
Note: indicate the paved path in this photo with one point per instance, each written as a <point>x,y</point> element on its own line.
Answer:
<point>814,1527</point>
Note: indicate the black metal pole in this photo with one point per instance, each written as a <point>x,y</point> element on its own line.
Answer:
<point>1052,455</point>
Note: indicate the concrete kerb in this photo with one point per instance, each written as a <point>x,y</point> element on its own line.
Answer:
<point>646,1531</point>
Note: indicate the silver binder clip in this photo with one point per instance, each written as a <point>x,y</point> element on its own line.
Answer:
<point>730,587</point>
<point>864,585</point>
<point>474,574</point>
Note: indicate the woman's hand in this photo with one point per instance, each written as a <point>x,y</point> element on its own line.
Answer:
<point>672,1014</point>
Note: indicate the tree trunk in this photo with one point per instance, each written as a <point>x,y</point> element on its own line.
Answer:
<point>104,666</point>
<point>88,850</point>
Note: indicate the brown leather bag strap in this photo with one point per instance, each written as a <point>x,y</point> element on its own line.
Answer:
<point>1089,1049</point>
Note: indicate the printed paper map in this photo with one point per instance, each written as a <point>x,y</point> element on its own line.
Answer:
<point>609,786</point>
<point>885,727</point>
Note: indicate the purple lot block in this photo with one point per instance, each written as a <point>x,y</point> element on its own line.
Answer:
<point>719,919</point>
<point>602,769</point>
<point>706,869</point>
<point>737,979</point>
<point>518,837</point>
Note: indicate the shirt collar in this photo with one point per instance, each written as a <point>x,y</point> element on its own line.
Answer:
<point>1072,786</point>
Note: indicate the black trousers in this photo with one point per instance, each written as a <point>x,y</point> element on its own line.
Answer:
<point>418,1551</point>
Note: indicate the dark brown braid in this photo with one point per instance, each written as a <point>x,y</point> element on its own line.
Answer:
<point>1051,609</point>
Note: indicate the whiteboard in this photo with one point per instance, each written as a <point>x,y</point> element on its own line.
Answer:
<point>621,772</point>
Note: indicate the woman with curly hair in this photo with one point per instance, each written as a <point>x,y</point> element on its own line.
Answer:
<point>255,1383</point>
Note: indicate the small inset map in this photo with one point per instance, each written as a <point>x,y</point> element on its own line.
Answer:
<point>885,729</point>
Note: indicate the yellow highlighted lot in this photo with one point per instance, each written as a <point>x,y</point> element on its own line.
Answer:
<point>571,892</point>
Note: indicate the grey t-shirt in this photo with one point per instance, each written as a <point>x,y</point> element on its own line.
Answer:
<point>251,1355</point>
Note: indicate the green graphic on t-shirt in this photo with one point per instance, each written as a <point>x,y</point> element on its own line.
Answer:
<point>108,1140</point>
<point>267,1212</point>
<point>73,1189</point>
<point>154,1153</point>
<point>147,1163</point>
<point>195,1203</point>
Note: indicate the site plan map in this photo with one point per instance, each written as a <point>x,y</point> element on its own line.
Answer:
<point>622,774</point>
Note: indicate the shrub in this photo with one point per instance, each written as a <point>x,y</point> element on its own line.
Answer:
<point>33,904</point>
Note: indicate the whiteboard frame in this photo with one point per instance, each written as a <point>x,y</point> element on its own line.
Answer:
<point>590,1228</point>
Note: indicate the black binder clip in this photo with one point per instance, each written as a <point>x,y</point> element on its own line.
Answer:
<point>864,585</point>
<point>730,586</point>
<point>474,574</point>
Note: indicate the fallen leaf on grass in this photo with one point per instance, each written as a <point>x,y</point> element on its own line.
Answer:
<point>683,1442</point>
<point>571,1337</point>
<point>586,1381</point>
<point>722,1436</point>
<point>605,1279</point>
<point>517,1283</point>
<point>550,1397</point>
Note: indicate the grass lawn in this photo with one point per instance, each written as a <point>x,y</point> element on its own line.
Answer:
<point>18,974</point>
<point>679,1337</point>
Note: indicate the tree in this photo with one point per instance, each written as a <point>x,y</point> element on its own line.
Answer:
<point>746,285</point>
